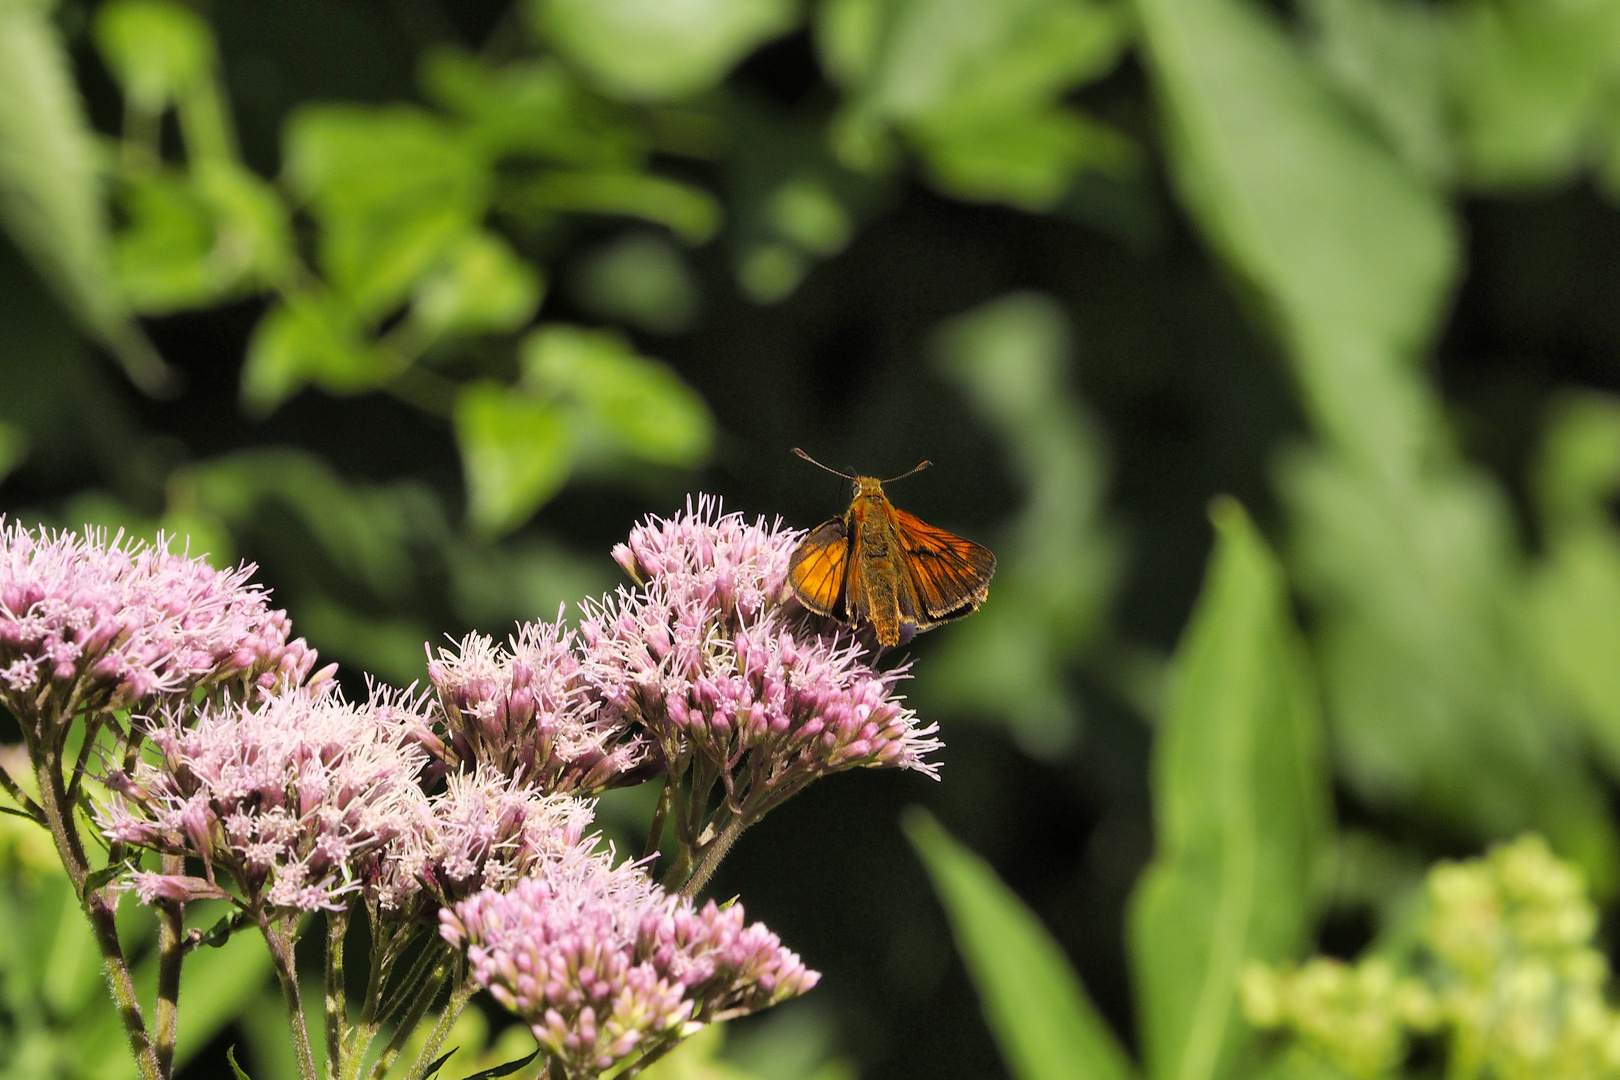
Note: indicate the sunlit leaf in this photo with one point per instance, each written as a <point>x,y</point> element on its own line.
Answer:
<point>647,50</point>
<point>1240,807</point>
<point>531,108</point>
<point>394,189</point>
<point>639,404</point>
<point>481,286</point>
<point>1042,1019</point>
<point>311,339</point>
<point>692,213</point>
<point>976,85</point>
<point>516,451</point>
<point>1351,254</point>
<point>155,48</point>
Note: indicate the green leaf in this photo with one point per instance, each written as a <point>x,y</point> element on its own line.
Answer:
<point>532,108</point>
<point>1574,596</point>
<point>438,1063</point>
<point>507,1069</point>
<point>236,1070</point>
<point>977,87</point>
<point>162,259</point>
<point>692,213</point>
<point>480,287</point>
<point>1040,1015</point>
<point>1388,57</point>
<point>1240,804</point>
<point>156,49</point>
<point>1351,255</point>
<point>394,189</point>
<point>516,452</point>
<point>654,50</point>
<point>1531,83</point>
<point>50,194</point>
<point>640,405</point>
<point>311,338</point>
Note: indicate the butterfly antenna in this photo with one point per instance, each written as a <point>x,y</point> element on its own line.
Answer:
<point>819,465</point>
<point>913,471</point>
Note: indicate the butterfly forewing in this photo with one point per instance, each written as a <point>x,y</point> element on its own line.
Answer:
<point>820,569</point>
<point>951,575</point>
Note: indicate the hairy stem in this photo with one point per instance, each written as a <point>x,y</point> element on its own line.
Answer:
<point>407,1022</point>
<point>655,832</point>
<point>463,992</point>
<point>708,860</point>
<point>336,1003</point>
<point>280,939</point>
<point>57,811</point>
<point>171,955</point>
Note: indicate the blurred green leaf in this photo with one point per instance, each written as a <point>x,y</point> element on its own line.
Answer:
<point>1531,82</point>
<point>1240,804</point>
<point>1351,255</point>
<point>162,259</point>
<point>805,211</point>
<point>13,448</point>
<point>393,188</point>
<point>50,192</point>
<point>311,338</point>
<point>389,648</point>
<point>516,453</point>
<point>976,85</point>
<point>1058,563</point>
<point>192,240</point>
<point>1388,58</point>
<point>655,50</point>
<point>639,278</point>
<point>481,286</point>
<point>641,406</point>
<point>531,108</point>
<point>1574,606</point>
<point>1039,1013</point>
<point>156,49</point>
<point>692,213</point>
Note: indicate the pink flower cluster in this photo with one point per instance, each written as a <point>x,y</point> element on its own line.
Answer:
<point>484,830</point>
<point>605,968</point>
<point>705,655</point>
<point>526,710</point>
<point>87,622</point>
<point>297,797</point>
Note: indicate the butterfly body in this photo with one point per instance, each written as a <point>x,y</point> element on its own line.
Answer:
<point>881,567</point>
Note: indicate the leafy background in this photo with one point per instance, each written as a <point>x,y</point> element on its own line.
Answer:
<point>419,305</point>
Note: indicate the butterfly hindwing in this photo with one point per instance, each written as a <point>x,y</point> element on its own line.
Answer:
<point>820,568</point>
<point>951,575</point>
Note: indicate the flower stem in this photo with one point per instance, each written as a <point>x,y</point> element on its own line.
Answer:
<point>279,938</point>
<point>336,1003</point>
<point>57,812</point>
<point>447,1020</point>
<point>171,955</point>
<point>710,855</point>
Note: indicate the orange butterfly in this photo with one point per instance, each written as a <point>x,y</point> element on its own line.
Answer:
<point>884,568</point>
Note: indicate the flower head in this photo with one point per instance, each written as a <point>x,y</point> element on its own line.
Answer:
<point>605,967</point>
<point>484,830</point>
<point>296,796</point>
<point>88,622</point>
<point>526,710</point>
<point>706,655</point>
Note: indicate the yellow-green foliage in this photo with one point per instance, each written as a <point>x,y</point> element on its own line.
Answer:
<point>1505,973</point>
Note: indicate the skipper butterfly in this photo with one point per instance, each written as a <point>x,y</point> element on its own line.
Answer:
<point>881,567</point>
